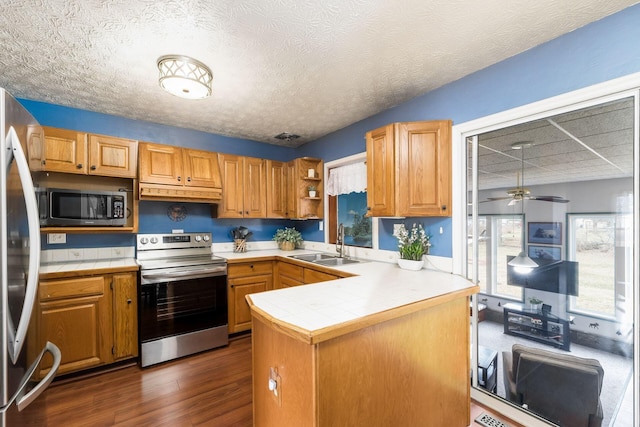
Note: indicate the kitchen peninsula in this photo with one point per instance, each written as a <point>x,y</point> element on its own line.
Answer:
<point>384,347</point>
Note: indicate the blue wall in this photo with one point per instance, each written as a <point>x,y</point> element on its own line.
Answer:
<point>598,52</point>
<point>595,53</point>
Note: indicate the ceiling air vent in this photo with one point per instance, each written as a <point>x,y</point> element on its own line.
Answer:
<point>286,136</point>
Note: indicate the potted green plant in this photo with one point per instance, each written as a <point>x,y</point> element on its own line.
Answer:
<point>535,303</point>
<point>312,190</point>
<point>287,238</point>
<point>412,245</point>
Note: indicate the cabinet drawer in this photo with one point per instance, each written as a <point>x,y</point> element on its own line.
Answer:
<point>52,290</point>
<point>314,276</point>
<point>249,269</point>
<point>293,271</point>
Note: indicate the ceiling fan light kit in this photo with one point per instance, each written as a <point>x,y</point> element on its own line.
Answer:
<point>184,76</point>
<point>521,193</point>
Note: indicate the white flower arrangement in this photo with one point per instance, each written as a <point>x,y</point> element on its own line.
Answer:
<point>414,244</point>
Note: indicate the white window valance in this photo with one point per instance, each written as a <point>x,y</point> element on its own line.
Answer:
<point>347,179</point>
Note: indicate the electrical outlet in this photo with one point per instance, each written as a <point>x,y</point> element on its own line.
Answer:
<point>321,225</point>
<point>56,238</point>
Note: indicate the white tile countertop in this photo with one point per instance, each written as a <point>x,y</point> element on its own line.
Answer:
<point>87,260</point>
<point>377,287</point>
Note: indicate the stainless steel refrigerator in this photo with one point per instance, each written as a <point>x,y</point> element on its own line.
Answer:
<point>19,263</point>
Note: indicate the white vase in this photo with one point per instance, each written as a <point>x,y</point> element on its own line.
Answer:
<point>409,264</point>
<point>312,193</point>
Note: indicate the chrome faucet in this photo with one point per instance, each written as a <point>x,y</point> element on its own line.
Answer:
<point>340,240</point>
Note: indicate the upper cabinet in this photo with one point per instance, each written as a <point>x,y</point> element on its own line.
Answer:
<point>68,151</point>
<point>277,189</point>
<point>174,173</point>
<point>244,180</point>
<point>409,169</point>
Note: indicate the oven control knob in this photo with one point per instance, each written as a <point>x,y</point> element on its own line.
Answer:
<point>154,240</point>
<point>205,237</point>
<point>198,238</point>
<point>144,240</point>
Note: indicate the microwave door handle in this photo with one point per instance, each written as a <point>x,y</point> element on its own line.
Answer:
<point>23,399</point>
<point>15,151</point>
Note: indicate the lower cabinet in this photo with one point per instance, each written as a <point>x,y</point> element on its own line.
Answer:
<point>244,279</point>
<point>89,318</point>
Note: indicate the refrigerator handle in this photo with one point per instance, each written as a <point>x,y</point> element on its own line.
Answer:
<point>23,398</point>
<point>16,152</point>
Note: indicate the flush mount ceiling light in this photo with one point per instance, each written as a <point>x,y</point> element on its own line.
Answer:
<point>184,77</point>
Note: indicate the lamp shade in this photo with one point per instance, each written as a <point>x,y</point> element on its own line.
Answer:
<point>184,77</point>
<point>522,263</point>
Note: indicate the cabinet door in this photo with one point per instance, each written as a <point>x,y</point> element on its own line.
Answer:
<point>231,168</point>
<point>424,168</point>
<point>255,188</point>
<point>75,315</point>
<point>315,276</point>
<point>201,169</point>
<point>292,199</point>
<point>64,151</point>
<point>381,171</point>
<point>160,164</point>
<point>111,156</point>
<point>239,288</point>
<point>276,189</point>
<point>125,311</point>
<point>35,147</point>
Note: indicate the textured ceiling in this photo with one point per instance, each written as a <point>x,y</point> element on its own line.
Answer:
<point>302,66</point>
<point>583,145</point>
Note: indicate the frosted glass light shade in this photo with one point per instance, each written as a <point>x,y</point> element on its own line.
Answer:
<point>184,77</point>
<point>523,264</point>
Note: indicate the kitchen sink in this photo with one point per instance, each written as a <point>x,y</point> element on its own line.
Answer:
<point>313,257</point>
<point>336,261</point>
<point>324,259</point>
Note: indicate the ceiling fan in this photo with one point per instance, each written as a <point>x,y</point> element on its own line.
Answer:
<point>520,193</point>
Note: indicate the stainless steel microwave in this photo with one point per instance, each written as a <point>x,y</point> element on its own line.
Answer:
<point>65,207</point>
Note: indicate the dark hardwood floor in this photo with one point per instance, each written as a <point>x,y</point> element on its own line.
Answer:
<point>208,389</point>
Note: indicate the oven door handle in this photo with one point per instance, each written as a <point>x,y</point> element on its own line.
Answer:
<point>209,272</point>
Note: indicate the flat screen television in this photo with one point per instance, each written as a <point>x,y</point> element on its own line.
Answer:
<point>560,277</point>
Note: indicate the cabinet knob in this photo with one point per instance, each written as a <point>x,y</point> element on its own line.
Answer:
<point>93,167</point>
<point>79,166</point>
<point>246,212</point>
<point>44,162</point>
<point>179,179</point>
<point>368,208</point>
<point>443,207</point>
<point>129,301</point>
<point>251,266</point>
<point>188,179</point>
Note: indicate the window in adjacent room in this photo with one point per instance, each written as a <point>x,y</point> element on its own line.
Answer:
<point>596,242</point>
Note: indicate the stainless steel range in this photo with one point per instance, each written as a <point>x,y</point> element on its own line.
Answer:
<point>182,296</point>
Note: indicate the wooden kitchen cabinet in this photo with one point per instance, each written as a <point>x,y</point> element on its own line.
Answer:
<point>91,318</point>
<point>244,181</point>
<point>69,151</point>
<point>409,169</point>
<point>75,315</point>
<point>244,279</point>
<point>276,189</point>
<point>288,274</point>
<point>299,204</point>
<point>174,173</point>
<point>314,276</point>
<point>125,315</point>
